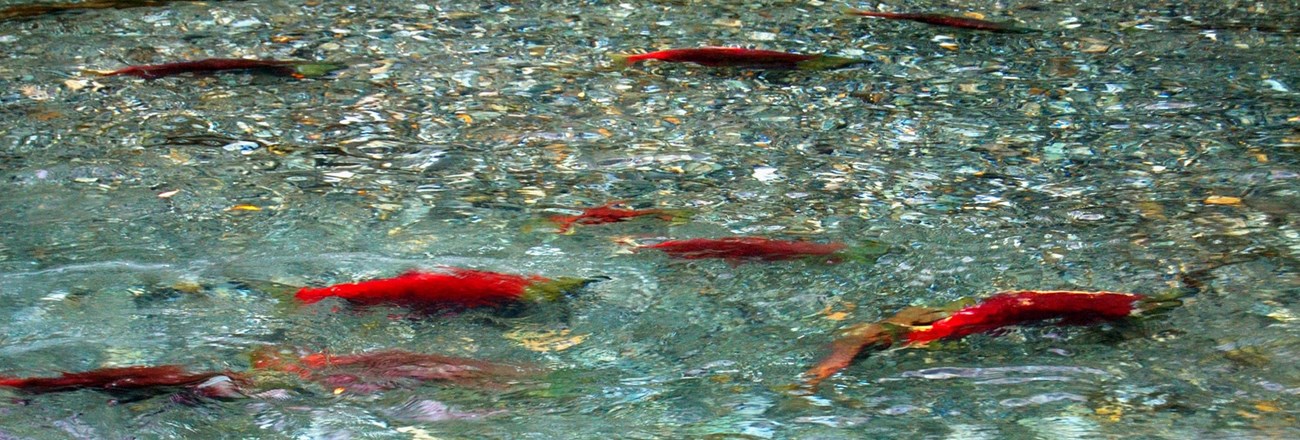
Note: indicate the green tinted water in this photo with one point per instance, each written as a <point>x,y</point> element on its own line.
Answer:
<point>157,222</point>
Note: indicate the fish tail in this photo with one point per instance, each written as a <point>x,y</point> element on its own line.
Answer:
<point>308,295</point>
<point>846,347</point>
<point>563,223</point>
<point>626,241</point>
<point>266,357</point>
<point>621,60</point>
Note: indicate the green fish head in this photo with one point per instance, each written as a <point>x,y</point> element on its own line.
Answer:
<point>316,70</point>
<point>866,252</point>
<point>826,62</point>
<point>553,290</point>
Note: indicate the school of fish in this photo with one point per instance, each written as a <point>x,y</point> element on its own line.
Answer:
<point>454,288</point>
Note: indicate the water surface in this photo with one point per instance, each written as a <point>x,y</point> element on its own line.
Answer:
<point>154,222</point>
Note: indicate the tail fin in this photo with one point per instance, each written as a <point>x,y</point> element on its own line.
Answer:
<point>266,357</point>
<point>846,347</point>
<point>563,223</point>
<point>11,382</point>
<point>626,242</point>
<point>272,370</point>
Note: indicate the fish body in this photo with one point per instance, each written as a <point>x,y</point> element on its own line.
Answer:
<point>455,287</point>
<point>746,248</point>
<point>919,325</point>
<point>38,9</point>
<point>944,20</point>
<point>112,379</point>
<point>607,213</point>
<point>740,57</point>
<point>847,347</point>
<point>1027,307</point>
<point>373,371</point>
<point>425,410</point>
<point>297,69</point>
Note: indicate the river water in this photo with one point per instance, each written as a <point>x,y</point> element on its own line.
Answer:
<point>1124,146</point>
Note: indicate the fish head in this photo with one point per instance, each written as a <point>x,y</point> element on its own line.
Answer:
<point>553,290</point>
<point>866,252</point>
<point>827,62</point>
<point>315,70</point>
<point>1160,304</point>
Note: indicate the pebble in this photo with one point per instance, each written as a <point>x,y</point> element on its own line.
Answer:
<point>243,147</point>
<point>766,174</point>
<point>1222,200</point>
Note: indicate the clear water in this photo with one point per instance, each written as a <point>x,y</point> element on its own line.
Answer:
<point>1100,154</point>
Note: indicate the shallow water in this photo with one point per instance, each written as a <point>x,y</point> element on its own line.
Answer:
<point>1125,145</point>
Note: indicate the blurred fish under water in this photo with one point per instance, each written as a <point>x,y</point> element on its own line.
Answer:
<point>805,174</point>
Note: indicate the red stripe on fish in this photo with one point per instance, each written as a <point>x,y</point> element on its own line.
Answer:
<point>740,57</point>
<point>918,325</point>
<point>747,248</point>
<point>607,213</point>
<point>297,69</point>
<point>455,287</point>
<point>373,371</point>
<point>1027,307</point>
<point>112,379</point>
<point>944,20</point>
